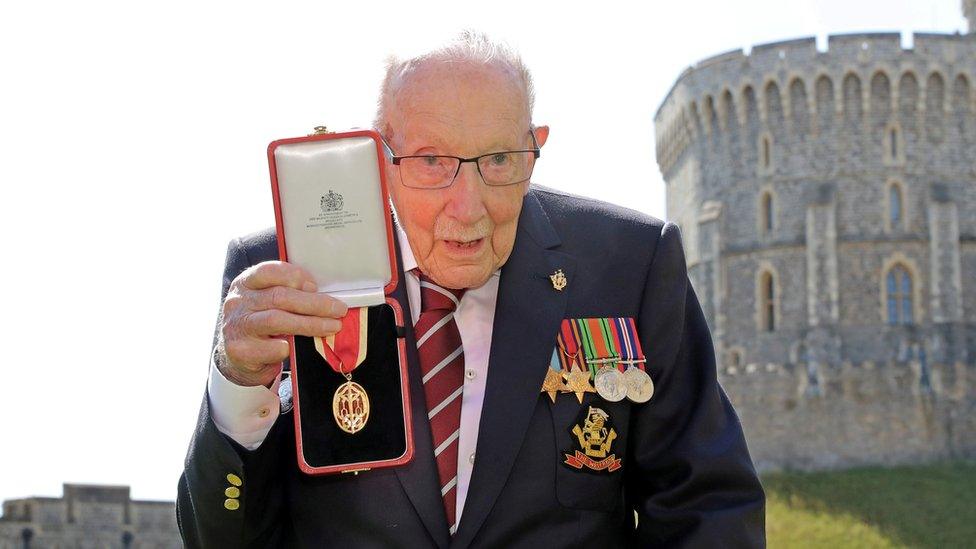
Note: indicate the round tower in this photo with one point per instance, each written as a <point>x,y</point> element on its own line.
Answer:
<point>827,201</point>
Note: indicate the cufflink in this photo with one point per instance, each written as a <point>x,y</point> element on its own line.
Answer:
<point>284,393</point>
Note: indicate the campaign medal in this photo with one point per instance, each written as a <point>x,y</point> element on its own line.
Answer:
<point>345,351</point>
<point>594,433</point>
<point>603,358</point>
<point>554,380</point>
<point>576,378</point>
<point>610,384</point>
<point>640,387</point>
<point>578,381</point>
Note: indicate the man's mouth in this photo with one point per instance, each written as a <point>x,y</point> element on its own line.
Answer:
<point>464,245</point>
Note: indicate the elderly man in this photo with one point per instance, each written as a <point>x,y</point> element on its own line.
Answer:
<point>491,465</point>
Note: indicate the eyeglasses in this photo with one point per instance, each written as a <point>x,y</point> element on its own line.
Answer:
<point>435,171</point>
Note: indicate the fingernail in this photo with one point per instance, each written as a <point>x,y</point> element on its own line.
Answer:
<point>310,287</point>
<point>341,309</point>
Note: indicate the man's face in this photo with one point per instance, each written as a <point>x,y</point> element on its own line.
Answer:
<point>461,234</point>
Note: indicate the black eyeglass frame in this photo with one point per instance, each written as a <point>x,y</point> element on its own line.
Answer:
<point>536,153</point>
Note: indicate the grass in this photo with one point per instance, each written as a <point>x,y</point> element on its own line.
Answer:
<point>922,506</point>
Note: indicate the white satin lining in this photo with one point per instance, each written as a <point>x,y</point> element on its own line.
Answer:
<point>346,249</point>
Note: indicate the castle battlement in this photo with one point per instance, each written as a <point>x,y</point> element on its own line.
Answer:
<point>782,81</point>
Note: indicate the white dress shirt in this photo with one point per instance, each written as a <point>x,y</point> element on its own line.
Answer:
<point>246,414</point>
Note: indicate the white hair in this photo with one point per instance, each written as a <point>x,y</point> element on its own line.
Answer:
<point>468,46</point>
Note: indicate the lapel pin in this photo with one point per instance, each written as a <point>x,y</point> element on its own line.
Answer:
<point>558,279</point>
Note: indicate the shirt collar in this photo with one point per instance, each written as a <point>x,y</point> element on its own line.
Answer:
<point>406,254</point>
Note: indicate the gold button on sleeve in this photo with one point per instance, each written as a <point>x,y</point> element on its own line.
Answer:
<point>232,492</point>
<point>234,479</point>
<point>231,504</point>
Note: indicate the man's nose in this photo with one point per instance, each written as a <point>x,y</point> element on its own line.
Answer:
<point>467,202</point>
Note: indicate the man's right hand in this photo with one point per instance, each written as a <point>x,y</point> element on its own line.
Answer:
<point>264,304</point>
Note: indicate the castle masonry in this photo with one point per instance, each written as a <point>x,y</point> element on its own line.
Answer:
<point>89,516</point>
<point>827,202</point>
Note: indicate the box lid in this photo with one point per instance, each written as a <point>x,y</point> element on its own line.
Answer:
<point>332,213</point>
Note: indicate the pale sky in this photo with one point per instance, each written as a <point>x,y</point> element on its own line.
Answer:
<point>132,147</point>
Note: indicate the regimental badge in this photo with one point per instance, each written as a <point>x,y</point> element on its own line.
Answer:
<point>558,279</point>
<point>595,434</point>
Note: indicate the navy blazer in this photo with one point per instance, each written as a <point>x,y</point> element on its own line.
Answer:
<point>687,479</point>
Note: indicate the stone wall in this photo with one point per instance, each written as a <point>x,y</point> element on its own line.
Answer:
<point>96,517</point>
<point>807,183</point>
<point>854,413</point>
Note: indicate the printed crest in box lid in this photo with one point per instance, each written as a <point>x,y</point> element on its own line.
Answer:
<point>330,193</point>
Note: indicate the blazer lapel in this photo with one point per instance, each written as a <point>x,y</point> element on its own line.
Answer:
<point>527,317</point>
<point>419,477</point>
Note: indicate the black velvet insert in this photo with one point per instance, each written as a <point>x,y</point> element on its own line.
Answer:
<point>383,438</point>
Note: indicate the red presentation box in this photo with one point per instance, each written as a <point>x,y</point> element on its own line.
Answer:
<point>332,213</point>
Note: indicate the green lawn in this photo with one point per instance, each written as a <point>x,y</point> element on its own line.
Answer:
<point>923,506</point>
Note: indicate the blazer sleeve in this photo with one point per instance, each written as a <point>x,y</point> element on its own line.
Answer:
<point>691,480</point>
<point>204,516</point>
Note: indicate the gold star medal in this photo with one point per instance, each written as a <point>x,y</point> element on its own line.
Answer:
<point>578,381</point>
<point>575,376</point>
<point>554,380</point>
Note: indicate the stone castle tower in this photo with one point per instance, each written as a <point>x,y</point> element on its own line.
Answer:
<point>828,206</point>
<point>969,9</point>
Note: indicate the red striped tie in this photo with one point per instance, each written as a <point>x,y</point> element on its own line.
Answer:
<point>442,365</point>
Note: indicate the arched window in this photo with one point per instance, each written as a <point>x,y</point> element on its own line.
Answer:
<point>899,285</point>
<point>896,209</point>
<point>766,212</point>
<point>934,107</point>
<point>825,102</point>
<point>893,145</point>
<point>767,302</point>
<point>735,358</point>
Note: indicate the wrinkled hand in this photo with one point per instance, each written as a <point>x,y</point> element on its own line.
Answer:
<point>264,304</point>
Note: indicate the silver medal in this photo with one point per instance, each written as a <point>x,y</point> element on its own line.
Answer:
<point>640,387</point>
<point>610,384</point>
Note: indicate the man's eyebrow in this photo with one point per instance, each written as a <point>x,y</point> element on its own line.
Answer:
<point>422,140</point>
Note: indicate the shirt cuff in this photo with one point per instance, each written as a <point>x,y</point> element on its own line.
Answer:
<point>245,414</point>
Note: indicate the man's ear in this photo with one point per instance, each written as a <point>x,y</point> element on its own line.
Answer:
<point>541,135</point>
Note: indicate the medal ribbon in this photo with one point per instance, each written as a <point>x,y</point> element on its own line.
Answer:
<point>569,342</point>
<point>346,350</point>
<point>597,342</point>
<point>624,350</point>
<point>609,342</point>
<point>631,353</point>
<point>606,328</point>
<point>555,363</point>
<point>587,339</point>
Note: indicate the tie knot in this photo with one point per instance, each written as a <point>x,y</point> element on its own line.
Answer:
<point>434,297</point>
